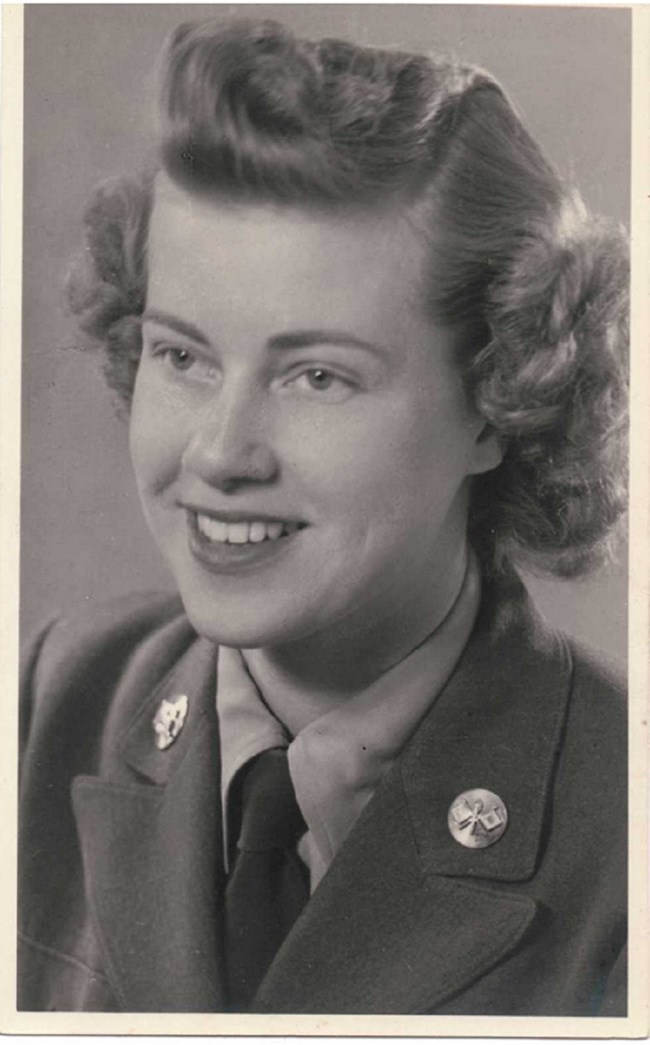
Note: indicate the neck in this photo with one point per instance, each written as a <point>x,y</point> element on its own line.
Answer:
<point>305,679</point>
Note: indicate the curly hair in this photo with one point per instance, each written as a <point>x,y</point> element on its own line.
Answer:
<point>536,287</point>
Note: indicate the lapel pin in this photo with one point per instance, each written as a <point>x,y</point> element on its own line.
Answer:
<point>169,720</point>
<point>477,818</point>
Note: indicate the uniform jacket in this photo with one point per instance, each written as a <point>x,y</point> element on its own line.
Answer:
<point>121,875</point>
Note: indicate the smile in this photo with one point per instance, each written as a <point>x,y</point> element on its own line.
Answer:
<point>235,544</point>
<point>253,531</point>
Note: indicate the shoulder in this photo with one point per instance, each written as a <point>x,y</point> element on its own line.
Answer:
<point>75,664</point>
<point>112,627</point>
<point>598,676</point>
<point>593,684</point>
<point>596,727</point>
<point>568,700</point>
<point>598,705</point>
<point>589,823</point>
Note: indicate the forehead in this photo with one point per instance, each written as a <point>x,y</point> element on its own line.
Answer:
<point>218,253</point>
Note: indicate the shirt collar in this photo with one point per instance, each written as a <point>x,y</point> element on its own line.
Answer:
<point>338,760</point>
<point>246,726</point>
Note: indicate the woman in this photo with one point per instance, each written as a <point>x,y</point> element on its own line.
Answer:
<point>372,349</point>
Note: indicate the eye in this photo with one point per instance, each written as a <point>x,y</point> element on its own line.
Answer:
<point>178,358</point>
<point>323,383</point>
<point>319,379</point>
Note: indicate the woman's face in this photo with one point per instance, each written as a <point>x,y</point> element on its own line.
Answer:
<point>299,432</point>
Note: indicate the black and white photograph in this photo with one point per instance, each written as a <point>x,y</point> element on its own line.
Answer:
<point>323,514</point>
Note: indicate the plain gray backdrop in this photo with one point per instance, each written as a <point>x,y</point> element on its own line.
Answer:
<point>88,99</point>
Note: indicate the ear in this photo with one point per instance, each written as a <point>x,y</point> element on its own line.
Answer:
<point>488,450</point>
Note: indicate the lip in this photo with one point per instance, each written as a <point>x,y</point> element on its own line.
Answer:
<point>227,516</point>
<point>235,558</point>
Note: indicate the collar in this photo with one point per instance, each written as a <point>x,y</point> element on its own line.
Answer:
<point>149,842</point>
<point>337,761</point>
<point>402,893</point>
<point>497,725</point>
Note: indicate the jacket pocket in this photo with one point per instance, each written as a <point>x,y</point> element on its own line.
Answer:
<point>49,981</point>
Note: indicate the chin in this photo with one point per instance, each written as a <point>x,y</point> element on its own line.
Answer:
<point>240,626</point>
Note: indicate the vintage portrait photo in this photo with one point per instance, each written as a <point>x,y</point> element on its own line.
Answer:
<point>324,499</point>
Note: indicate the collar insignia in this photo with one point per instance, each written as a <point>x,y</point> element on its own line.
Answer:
<point>169,720</point>
<point>477,818</point>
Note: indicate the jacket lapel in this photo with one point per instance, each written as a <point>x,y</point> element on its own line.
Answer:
<point>150,834</point>
<point>380,936</point>
<point>406,917</point>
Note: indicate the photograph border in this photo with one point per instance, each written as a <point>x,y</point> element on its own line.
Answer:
<point>635,1025</point>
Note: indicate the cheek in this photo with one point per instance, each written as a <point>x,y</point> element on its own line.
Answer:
<point>155,439</point>
<point>412,455</point>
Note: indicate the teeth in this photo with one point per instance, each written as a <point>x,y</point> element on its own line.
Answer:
<point>253,532</point>
<point>256,532</point>
<point>237,533</point>
<point>212,528</point>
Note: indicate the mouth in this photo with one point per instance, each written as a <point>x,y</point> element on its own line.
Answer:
<point>244,531</point>
<point>227,544</point>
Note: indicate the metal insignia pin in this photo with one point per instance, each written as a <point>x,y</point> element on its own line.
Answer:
<point>169,720</point>
<point>477,818</point>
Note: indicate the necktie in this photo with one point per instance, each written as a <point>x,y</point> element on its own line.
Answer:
<point>268,885</point>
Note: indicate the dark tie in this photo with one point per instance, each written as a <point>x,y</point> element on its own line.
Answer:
<point>268,885</point>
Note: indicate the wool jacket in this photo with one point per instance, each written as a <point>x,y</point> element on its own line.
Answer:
<point>121,872</point>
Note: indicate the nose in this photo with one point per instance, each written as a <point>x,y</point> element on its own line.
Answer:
<point>229,445</point>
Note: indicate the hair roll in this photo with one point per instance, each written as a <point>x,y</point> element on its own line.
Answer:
<point>535,288</point>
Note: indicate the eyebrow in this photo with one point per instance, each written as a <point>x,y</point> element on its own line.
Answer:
<point>278,342</point>
<point>306,338</point>
<point>181,326</point>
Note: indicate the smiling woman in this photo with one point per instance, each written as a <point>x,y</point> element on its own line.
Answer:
<point>280,405</point>
<point>372,348</point>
